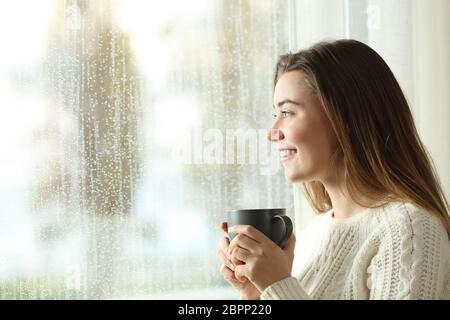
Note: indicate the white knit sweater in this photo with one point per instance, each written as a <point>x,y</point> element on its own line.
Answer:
<point>395,252</point>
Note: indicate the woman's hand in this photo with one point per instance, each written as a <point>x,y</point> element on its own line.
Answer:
<point>246,289</point>
<point>259,259</point>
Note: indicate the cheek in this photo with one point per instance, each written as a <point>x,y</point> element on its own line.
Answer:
<point>314,141</point>
<point>299,135</point>
<point>307,138</point>
<point>323,146</point>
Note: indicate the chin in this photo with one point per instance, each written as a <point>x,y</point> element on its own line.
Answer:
<point>295,177</point>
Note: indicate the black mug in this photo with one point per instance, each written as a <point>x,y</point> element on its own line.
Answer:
<point>274,223</point>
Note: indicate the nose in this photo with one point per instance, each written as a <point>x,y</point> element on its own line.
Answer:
<point>275,134</point>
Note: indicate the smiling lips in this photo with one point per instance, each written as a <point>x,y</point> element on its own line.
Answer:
<point>287,153</point>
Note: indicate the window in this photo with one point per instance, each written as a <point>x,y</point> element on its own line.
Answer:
<point>128,129</point>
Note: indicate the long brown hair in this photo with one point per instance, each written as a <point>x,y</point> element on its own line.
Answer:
<point>380,154</point>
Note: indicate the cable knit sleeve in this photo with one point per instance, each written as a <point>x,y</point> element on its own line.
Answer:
<point>290,288</point>
<point>412,259</point>
<point>286,289</point>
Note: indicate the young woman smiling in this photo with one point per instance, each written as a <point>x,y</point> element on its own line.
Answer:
<point>346,133</point>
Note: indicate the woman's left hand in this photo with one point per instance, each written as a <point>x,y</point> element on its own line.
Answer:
<point>258,258</point>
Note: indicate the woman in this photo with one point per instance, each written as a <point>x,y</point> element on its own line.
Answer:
<point>345,131</point>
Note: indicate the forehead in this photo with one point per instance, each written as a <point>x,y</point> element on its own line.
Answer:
<point>291,83</point>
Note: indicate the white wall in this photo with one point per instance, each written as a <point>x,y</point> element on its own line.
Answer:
<point>431,30</point>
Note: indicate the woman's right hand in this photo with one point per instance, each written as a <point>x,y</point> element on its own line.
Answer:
<point>246,289</point>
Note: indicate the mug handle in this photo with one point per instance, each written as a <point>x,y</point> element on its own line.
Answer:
<point>287,228</point>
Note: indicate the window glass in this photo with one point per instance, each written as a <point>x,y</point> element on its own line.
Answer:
<point>128,128</point>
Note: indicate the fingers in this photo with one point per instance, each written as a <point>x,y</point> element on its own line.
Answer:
<point>240,255</point>
<point>227,273</point>
<point>239,273</point>
<point>223,258</point>
<point>250,232</point>
<point>222,253</point>
<point>290,245</point>
<point>234,262</point>
<point>230,275</point>
<point>224,244</point>
<point>243,241</point>
<point>224,226</point>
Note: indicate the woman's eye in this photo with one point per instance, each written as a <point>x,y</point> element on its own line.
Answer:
<point>285,114</point>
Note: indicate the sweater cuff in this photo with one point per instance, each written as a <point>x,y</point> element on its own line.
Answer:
<point>286,289</point>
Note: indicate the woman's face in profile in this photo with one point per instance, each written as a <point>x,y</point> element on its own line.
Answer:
<point>304,135</point>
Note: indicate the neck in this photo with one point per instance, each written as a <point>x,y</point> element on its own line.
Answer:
<point>343,206</point>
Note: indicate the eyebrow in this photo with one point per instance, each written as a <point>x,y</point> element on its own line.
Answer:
<point>279,104</point>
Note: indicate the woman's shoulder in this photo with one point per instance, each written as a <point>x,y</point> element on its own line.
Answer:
<point>406,213</point>
<point>405,219</point>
